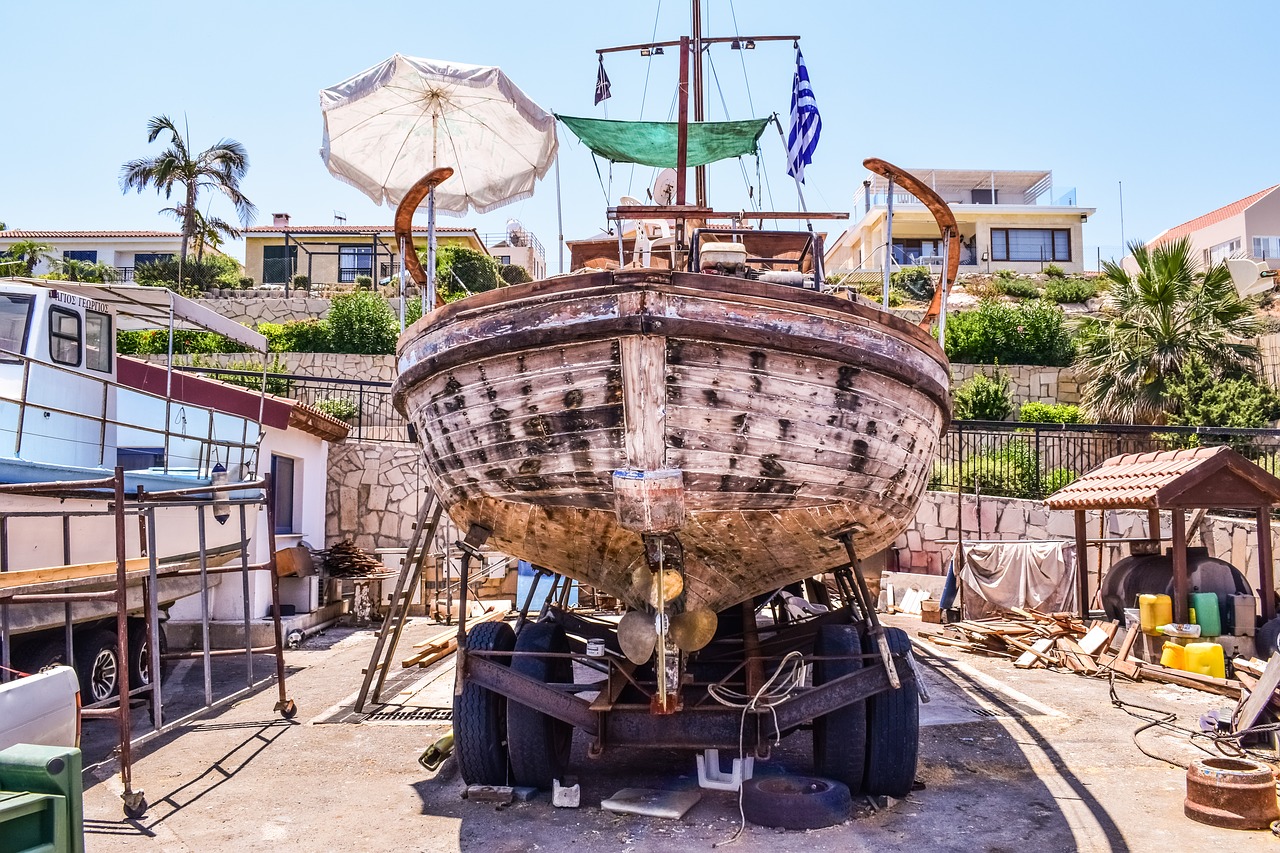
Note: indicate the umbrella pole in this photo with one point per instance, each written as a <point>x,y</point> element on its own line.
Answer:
<point>429,298</point>
<point>403,295</point>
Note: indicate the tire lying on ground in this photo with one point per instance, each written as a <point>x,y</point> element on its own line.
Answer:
<point>480,715</point>
<point>795,802</point>
<point>893,730</point>
<point>840,737</point>
<point>539,744</point>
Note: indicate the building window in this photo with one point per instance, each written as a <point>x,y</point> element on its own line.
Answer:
<point>1264,247</point>
<point>503,259</point>
<point>354,261</point>
<point>282,484</point>
<point>911,252</point>
<point>1030,244</point>
<point>97,341</point>
<point>88,256</point>
<point>1228,249</point>
<point>64,336</point>
<point>278,264</point>
<point>140,258</point>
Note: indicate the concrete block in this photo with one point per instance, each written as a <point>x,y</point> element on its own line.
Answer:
<point>567,795</point>
<point>489,793</point>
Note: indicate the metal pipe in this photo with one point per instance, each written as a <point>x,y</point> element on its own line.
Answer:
<point>153,622</point>
<point>204,606</point>
<point>244,601</point>
<point>888,243</point>
<point>275,593</point>
<point>122,635</point>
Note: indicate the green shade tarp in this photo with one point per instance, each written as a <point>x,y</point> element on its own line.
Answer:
<point>653,143</point>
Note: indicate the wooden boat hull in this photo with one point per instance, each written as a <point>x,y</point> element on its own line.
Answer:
<point>793,417</point>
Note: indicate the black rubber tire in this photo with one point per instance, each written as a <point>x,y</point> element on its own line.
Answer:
<point>840,737</point>
<point>98,665</point>
<point>140,655</point>
<point>795,802</point>
<point>539,744</point>
<point>480,715</point>
<point>893,730</point>
<point>41,655</point>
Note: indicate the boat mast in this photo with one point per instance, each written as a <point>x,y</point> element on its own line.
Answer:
<point>699,105</point>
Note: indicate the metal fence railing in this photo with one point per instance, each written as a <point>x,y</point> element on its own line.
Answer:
<point>1034,460</point>
<point>364,404</point>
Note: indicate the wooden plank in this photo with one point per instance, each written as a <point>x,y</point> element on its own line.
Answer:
<point>1076,657</point>
<point>1261,695</point>
<point>1035,655</point>
<point>1098,638</point>
<point>1221,686</point>
<point>644,360</point>
<point>1126,647</point>
<point>73,572</point>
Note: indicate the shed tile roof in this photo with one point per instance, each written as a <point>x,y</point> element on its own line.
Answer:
<point>1212,217</point>
<point>1152,480</point>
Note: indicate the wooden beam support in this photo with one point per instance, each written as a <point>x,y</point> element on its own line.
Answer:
<point>1082,565</point>
<point>1181,584</point>
<point>1266,564</point>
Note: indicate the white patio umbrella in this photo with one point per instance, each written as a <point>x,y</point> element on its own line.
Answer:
<point>386,127</point>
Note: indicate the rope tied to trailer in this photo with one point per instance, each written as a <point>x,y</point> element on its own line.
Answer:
<point>787,677</point>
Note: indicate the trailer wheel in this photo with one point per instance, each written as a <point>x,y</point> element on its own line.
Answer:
<point>795,802</point>
<point>480,715</point>
<point>539,744</point>
<point>98,665</point>
<point>840,737</point>
<point>140,655</point>
<point>43,655</point>
<point>893,730</point>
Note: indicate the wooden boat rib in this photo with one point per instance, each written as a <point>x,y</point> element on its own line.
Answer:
<point>792,417</point>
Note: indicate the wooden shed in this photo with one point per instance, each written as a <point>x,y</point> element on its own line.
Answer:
<point>1176,481</point>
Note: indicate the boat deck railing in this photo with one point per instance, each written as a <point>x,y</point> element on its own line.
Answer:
<point>61,417</point>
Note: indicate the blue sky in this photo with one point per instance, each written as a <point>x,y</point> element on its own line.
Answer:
<point>1148,93</point>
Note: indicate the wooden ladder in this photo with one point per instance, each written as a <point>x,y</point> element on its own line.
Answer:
<point>424,531</point>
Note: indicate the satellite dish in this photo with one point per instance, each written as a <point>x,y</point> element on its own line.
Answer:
<point>630,201</point>
<point>516,235</point>
<point>664,187</point>
<point>1250,277</point>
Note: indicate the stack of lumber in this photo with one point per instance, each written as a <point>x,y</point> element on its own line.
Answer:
<point>345,560</point>
<point>445,643</point>
<point>1032,639</point>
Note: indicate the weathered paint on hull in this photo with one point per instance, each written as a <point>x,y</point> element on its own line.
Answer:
<point>794,417</point>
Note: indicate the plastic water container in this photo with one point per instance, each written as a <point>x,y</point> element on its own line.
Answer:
<point>1208,617</point>
<point>1154,611</point>
<point>1206,659</point>
<point>1173,656</point>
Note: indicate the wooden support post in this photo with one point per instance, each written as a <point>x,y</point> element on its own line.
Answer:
<point>1153,523</point>
<point>1181,604</point>
<point>682,128</point>
<point>1266,566</point>
<point>1082,564</point>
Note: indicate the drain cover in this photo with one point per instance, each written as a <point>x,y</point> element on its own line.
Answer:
<point>987,712</point>
<point>410,714</point>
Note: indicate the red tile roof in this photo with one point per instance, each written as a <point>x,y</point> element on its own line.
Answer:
<point>1212,217</point>
<point>80,235</point>
<point>343,229</point>
<point>1170,478</point>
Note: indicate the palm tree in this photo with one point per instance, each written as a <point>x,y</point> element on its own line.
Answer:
<point>30,253</point>
<point>220,167</point>
<point>87,271</point>
<point>1154,325</point>
<point>210,231</point>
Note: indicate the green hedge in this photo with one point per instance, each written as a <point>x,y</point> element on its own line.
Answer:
<point>1032,332</point>
<point>1049,413</point>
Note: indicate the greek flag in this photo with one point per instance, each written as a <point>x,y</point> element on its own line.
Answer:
<point>806,123</point>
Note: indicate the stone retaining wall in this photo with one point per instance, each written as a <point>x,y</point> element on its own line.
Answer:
<point>1027,383</point>
<point>251,310</point>
<point>327,365</point>
<point>940,518</point>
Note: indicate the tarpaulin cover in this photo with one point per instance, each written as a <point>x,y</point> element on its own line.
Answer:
<point>389,125</point>
<point>653,143</point>
<point>1002,575</point>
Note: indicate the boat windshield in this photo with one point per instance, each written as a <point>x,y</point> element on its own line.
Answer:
<point>15,317</point>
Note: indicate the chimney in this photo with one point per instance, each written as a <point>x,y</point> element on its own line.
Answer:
<point>280,220</point>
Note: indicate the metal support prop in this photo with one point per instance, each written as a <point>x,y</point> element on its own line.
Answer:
<point>244,591</point>
<point>874,628</point>
<point>538,574</point>
<point>206,661</point>
<point>284,705</point>
<point>131,798</point>
<point>153,620</point>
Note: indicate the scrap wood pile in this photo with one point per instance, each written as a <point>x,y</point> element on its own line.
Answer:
<point>1032,639</point>
<point>445,643</point>
<point>345,560</point>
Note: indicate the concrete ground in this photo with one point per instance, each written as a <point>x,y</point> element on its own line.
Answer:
<point>1011,760</point>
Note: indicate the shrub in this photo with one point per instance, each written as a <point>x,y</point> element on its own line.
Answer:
<point>1199,398</point>
<point>477,271</point>
<point>277,385</point>
<point>875,292</point>
<point>338,407</point>
<point>298,336</point>
<point>983,288</point>
<point>364,282</point>
<point>1056,479</point>
<point>1054,271</point>
<point>185,342</point>
<point>514,274</point>
<point>1021,287</point>
<point>1070,290</point>
<point>1005,275</point>
<point>362,322</point>
<point>1032,332</point>
<point>1010,471</point>
<point>301,282</point>
<point>245,282</point>
<point>190,276</point>
<point>981,398</point>
<point>917,282</point>
<point>1049,413</point>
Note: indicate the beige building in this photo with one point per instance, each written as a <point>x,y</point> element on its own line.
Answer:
<point>335,254</point>
<point>1249,227</point>
<point>1011,220</point>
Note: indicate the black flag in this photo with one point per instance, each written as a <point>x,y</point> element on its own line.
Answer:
<point>602,83</point>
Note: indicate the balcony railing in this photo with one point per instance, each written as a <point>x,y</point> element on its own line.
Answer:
<point>862,200</point>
